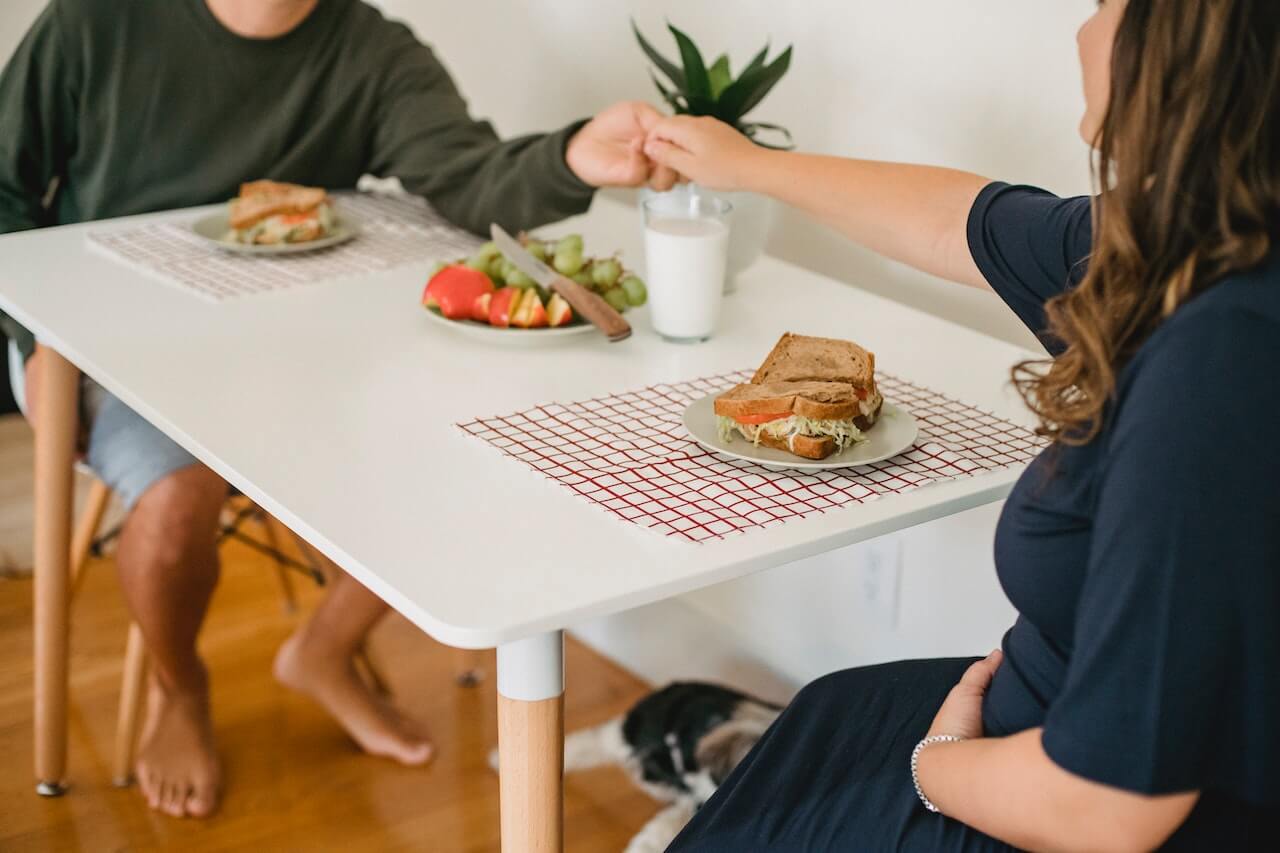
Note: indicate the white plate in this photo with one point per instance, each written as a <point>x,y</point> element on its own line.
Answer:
<point>215,226</point>
<point>894,432</point>
<point>510,337</point>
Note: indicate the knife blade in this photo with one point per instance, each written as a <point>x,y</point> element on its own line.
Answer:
<point>591,306</point>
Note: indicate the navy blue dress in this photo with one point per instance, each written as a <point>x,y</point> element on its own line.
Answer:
<point>1145,568</point>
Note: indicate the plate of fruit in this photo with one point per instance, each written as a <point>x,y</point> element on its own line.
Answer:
<point>485,296</point>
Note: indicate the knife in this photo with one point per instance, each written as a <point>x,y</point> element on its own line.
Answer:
<point>593,308</point>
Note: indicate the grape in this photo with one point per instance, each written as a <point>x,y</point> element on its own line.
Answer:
<point>497,267</point>
<point>583,277</point>
<point>617,297</point>
<point>519,279</point>
<point>489,250</point>
<point>637,293</point>
<point>567,262</point>
<point>539,250</point>
<point>478,262</point>
<point>572,243</point>
<point>508,270</point>
<point>606,272</point>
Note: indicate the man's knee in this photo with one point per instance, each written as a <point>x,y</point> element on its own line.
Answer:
<point>176,515</point>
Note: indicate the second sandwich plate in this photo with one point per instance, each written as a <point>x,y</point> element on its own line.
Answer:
<point>894,432</point>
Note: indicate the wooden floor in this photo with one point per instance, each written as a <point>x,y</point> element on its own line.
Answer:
<point>294,782</point>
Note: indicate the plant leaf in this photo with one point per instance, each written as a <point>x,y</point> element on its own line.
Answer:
<point>720,75</point>
<point>752,128</point>
<point>666,66</point>
<point>697,82</point>
<point>749,89</point>
<point>757,61</point>
<point>673,100</point>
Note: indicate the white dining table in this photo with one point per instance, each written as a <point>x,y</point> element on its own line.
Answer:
<point>333,406</point>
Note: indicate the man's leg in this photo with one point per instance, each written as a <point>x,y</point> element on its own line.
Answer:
<point>318,660</point>
<point>168,564</point>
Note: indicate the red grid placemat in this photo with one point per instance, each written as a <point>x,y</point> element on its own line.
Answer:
<point>629,454</point>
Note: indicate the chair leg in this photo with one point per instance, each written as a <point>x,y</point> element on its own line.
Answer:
<point>86,529</point>
<point>129,719</point>
<point>287,592</point>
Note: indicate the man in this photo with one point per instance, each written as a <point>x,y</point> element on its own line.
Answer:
<point>142,105</point>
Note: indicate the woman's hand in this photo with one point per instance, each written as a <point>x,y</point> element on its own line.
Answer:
<point>961,713</point>
<point>608,150</point>
<point>704,150</point>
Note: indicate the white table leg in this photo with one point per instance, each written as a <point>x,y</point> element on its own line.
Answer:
<point>531,743</point>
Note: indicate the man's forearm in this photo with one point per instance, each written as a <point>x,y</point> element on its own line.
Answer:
<point>1010,789</point>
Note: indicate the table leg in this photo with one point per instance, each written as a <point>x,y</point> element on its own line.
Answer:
<point>531,743</point>
<point>57,422</point>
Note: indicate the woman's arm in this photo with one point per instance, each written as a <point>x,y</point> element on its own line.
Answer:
<point>1011,789</point>
<point>914,214</point>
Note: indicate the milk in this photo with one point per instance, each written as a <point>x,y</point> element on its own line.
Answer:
<point>685,258</point>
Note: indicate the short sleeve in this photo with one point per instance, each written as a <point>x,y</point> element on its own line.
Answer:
<point>1030,246</point>
<point>1173,681</point>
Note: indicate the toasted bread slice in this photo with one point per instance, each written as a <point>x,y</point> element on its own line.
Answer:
<point>799,358</point>
<point>261,199</point>
<point>821,401</point>
<point>807,446</point>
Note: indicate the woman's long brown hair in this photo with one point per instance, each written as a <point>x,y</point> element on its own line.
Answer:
<point>1188,176</point>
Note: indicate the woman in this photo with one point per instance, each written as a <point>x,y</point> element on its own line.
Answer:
<point>1135,702</point>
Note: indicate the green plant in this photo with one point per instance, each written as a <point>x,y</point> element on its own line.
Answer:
<point>701,90</point>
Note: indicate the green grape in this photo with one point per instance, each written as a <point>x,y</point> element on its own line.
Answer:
<point>508,270</point>
<point>539,250</point>
<point>477,262</point>
<point>497,267</point>
<point>583,277</point>
<point>606,272</point>
<point>617,297</point>
<point>489,250</point>
<point>637,293</point>
<point>519,279</point>
<point>572,243</point>
<point>567,262</point>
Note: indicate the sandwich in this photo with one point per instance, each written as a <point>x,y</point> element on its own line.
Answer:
<point>268,213</point>
<point>811,397</point>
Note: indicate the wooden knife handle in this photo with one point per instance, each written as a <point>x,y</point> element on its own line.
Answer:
<point>593,308</point>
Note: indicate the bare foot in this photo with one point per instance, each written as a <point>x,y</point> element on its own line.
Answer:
<point>331,680</point>
<point>177,765</point>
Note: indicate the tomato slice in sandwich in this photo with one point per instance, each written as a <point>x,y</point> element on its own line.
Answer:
<point>756,420</point>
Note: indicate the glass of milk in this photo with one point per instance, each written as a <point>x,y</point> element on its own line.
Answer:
<point>686,243</point>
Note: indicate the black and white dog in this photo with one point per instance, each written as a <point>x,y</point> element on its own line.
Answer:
<point>678,744</point>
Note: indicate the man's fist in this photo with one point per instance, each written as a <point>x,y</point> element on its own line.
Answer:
<point>609,150</point>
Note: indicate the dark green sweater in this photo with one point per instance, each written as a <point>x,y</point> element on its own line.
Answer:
<point>144,105</point>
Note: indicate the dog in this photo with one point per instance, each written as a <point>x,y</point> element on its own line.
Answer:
<point>677,744</point>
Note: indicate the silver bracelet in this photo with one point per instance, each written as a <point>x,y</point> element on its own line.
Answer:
<point>915,765</point>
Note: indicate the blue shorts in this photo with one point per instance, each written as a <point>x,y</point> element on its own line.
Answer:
<point>125,451</point>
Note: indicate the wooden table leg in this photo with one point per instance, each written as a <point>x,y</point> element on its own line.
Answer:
<point>57,422</point>
<point>531,743</point>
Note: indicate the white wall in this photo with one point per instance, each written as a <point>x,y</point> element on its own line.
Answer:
<point>990,86</point>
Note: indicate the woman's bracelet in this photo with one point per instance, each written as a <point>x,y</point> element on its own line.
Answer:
<point>915,765</point>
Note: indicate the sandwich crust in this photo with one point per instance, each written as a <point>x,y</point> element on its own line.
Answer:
<point>261,199</point>
<point>801,358</point>
<point>823,401</point>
